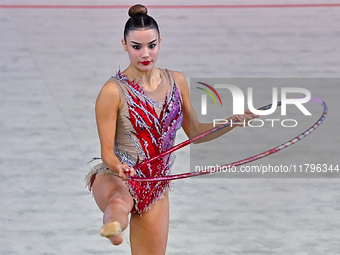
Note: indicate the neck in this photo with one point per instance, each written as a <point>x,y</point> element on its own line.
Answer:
<point>149,79</point>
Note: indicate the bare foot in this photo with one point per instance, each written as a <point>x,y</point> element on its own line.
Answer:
<point>117,240</point>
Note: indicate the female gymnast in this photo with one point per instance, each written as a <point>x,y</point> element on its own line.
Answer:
<point>138,112</point>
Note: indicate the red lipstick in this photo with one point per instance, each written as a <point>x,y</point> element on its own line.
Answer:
<point>146,63</point>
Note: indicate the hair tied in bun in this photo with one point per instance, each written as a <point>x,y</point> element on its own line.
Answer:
<point>137,9</point>
<point>139,20</point>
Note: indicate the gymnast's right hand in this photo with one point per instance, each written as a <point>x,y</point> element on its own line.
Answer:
<point>124,170</point>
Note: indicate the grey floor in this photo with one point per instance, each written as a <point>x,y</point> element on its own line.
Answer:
<point>53,63</point>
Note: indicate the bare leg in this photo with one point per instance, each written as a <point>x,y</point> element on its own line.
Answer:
<point>149,233</point>
<point>114,199</point>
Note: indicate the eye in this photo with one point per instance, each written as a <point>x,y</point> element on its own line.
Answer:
<point>136,47</point>
<point>151,46</point>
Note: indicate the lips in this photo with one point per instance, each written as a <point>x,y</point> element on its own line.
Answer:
<point>145,63</point>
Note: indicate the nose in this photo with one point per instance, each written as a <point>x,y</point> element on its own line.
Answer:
<point>145,52</point>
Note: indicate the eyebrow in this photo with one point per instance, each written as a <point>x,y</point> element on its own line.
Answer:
<point>141,44</point>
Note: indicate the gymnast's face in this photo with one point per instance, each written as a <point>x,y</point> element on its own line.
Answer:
<point>143,48</point>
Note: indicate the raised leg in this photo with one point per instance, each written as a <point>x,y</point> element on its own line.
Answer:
<point>115,201</point>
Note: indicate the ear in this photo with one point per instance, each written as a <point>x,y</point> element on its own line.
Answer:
<point>160,42</point>
<point>124,45</point>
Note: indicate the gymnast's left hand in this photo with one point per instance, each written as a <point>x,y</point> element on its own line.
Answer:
<point>243,120</point>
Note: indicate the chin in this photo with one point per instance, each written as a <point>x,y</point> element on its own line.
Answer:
<point>147,68</point>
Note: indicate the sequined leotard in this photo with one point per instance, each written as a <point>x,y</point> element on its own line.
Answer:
<point>146,126</point>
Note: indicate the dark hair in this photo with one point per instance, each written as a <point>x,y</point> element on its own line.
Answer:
<point>139,20</point>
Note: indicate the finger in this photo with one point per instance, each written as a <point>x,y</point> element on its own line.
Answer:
<point>122,173</point>
<point>240,118</point>
<point>247,111</point>
<point>253,115</point>
<point>132,172</point>
<point>248,116</point>
<point>125,168</point>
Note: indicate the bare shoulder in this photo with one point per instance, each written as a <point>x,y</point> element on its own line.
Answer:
<point>108,95</point>
<point>180,78</point>
<point>109,89</point>
<point>181,82</point>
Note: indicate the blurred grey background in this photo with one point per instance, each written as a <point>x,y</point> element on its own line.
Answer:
<point>53,63</point>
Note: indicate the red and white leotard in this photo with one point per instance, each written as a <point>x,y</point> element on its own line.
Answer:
<point>146,126</point>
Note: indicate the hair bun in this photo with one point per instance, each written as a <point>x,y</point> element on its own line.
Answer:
<point>137,9</point>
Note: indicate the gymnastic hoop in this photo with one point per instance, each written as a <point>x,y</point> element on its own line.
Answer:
<point>237,163</point>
